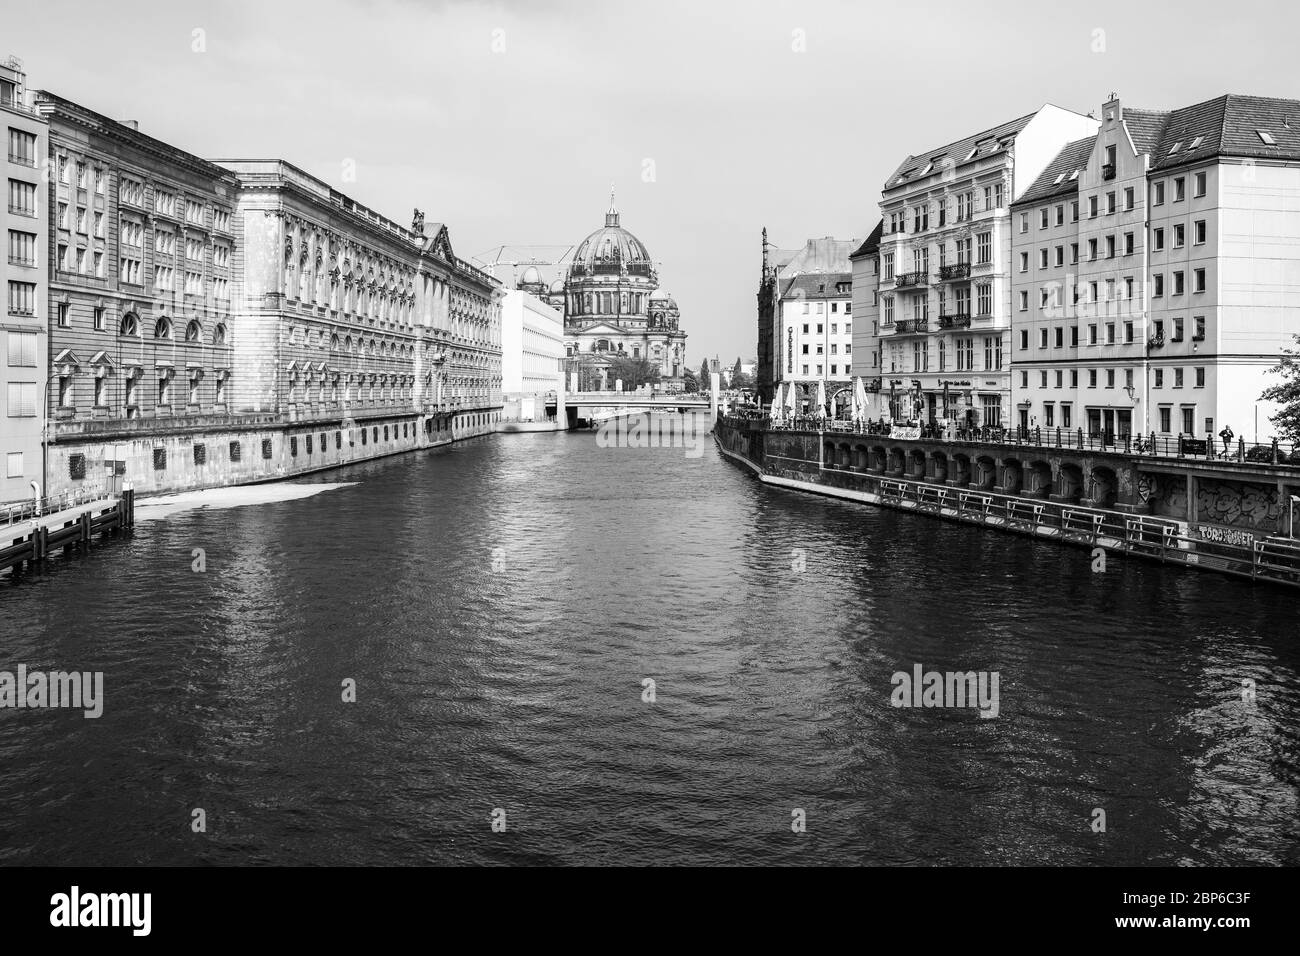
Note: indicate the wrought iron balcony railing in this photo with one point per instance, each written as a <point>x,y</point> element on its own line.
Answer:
<point>954,320</point>
<point>959,270</point>
<point>911,278</point>
<point>911,326</point>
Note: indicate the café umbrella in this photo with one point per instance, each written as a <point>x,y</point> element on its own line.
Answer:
<point>859,399</point>
<point>821,397</point>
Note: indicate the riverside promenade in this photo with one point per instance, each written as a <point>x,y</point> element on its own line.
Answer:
<point>1233,514</point>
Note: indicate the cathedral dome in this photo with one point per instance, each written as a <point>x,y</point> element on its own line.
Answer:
<point>611,245</point>
<point>611,250</point>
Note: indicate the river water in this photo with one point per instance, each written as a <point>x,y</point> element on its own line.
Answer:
<point>499,605</point>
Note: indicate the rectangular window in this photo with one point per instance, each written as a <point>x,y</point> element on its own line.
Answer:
<point>1178,378</point>
<point>21,400</point>
<point>1158,194</point>
<point>22,198</point>
<point>1157,285</point>
<point>1042,258</point>
<point>1024,261</point>
<point>1180,236</point>
<point>1198,280</point>
<point>985,247</point>
<point>22,248</point>
<point>22,147</point>
<point>1160,378</point>
<point>1164,419</point>
<point>1189,420</point>
<point>1180,188</point>
<point>1198,232</point>
<point>1178,282</point>
<point>1158,240</point>
<point>22,349</point>
<point>1200,378</point>
<point>1092,378</point>
<point>1128,198</point>
<point>1198,328</point>
<point>22,298</point>
<point>14,464</point>
<point>1198,188</point>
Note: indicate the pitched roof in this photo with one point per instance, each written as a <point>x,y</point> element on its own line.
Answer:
<point>821,256</point>
<point>1145,127</point>
<point>1229,125</point>
<point>958,151</point>
<point>817,285</point>
<point>871,244</point>
<point>1059,178</point>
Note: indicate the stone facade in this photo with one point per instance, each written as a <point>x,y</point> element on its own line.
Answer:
<point>24,343</point>
<point>218,322</point>
<point>613,305</point>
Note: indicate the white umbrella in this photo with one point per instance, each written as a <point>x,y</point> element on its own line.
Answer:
<point>778,402</point>
<point>821,396</point>
<point>859,399</point>
<point>789,397</point>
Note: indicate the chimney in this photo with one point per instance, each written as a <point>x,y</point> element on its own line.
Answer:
<point>1113,109</point>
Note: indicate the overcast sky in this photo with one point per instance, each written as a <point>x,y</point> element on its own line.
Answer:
<point>509,120</point>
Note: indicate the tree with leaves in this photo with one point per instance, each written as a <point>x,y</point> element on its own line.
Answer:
<point>633,372</point>
<point>690,382</point>
<point>705,377</point>
<point>1286,394</point>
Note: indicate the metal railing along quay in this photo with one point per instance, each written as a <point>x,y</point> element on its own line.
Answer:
<point>1182,447</point>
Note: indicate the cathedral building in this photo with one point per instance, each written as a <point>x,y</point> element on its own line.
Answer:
<point>613,306</point>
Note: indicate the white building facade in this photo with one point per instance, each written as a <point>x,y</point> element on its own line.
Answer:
<point>532,354</point>
<point>945,268</point>
<point>1180,280</point>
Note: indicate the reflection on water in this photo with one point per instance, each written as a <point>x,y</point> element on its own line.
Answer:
<point>521,689</point>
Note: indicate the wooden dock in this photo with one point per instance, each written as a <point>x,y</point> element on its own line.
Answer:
<point>62,525</point>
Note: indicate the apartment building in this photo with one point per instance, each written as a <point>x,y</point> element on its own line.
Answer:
<point>24,347</point>
<point>945,267</point>
<point>865,264</point>
<point>1184,291</point>
<point>813,335</point>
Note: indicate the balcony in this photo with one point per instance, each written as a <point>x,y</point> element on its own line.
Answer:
<point>956,272</point>
<point>912,327</point>
<point>954,320</point>
<point>1108,171</point>
<point>911,278</point>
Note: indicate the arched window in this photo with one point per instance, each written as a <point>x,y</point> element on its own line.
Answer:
<point>130,325</point>
<point>334,343</point>
<point>193,331</point>
<point>163,328</point>
<point>219,335</point>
